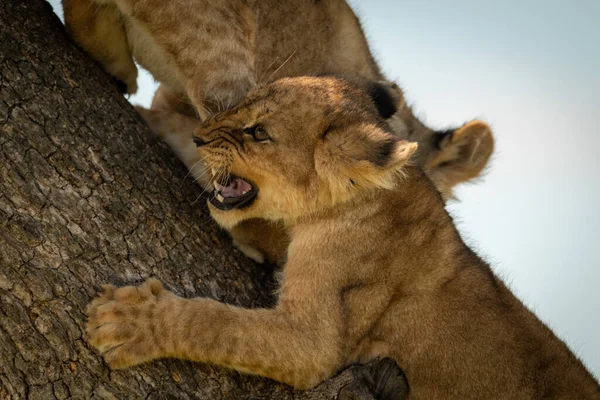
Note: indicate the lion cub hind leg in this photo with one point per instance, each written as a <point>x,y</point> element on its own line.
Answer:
<point>166,99</point>
<point>204,50</point>
<point>98,29</point>
<point>381,379</point>
<point>226,71</point>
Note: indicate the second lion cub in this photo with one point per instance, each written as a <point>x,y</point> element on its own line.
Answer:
<point>375,266</point>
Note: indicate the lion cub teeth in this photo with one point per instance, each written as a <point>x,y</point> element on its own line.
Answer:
<point>217,185</point>
<point>220,198</point>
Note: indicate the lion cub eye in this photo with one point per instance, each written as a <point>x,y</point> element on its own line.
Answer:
<point>258,133</point>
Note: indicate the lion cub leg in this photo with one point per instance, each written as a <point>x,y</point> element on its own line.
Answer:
<point>298,343</point>
<point>166,100</point>
<point>176,130</point>
<point>204,50</point>
<point>226,71</point>
<point>98,29</point>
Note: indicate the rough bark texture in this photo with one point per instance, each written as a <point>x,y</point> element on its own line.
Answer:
<point>88,197</point>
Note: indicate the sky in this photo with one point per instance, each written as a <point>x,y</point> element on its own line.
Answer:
<point>531,69</point>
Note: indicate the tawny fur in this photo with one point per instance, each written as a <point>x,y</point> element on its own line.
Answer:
<point>449,158</point>
<point>375,267</point>
<point>208,54</point>
<point>213,51</point>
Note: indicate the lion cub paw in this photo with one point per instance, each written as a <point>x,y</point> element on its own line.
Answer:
<point>250,251</point>
<point>124,323</point>
<point>381,379</point>
<point>128,85</point>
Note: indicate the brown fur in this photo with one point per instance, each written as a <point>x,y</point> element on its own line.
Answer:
<point>207,54</point>
<point>449,158</point>
<point>98,29</point>
<point>375,267</point>
<point>213,51</point>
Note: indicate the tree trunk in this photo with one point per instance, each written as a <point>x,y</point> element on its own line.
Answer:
<point>88,197</point>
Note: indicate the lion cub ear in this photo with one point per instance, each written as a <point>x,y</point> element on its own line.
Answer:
<point>361,157</point>
<point>386,96</point>
<point>460,155</point>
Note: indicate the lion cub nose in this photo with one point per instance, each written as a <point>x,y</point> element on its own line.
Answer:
<point>199,141</point>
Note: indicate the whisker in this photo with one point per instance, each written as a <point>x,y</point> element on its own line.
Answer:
<point>208,169</point>
<point>282,65</point>
<point>188,173</point>
<point>200,195</point>
<point>191,169</point>
<point>221,104</point>
<point>260,81</point>
<point>207,111</point>
<point>197,198</point>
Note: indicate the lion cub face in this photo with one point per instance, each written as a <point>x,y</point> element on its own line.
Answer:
<point>295,147</point>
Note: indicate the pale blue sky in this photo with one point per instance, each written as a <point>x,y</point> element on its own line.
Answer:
<point>531,70</point>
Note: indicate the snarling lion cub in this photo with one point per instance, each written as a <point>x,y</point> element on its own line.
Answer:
<point>208,54</point>
<point>375,266</point>
<point>448,157</point>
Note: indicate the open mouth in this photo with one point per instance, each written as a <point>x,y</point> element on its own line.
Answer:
<point>232,192</point>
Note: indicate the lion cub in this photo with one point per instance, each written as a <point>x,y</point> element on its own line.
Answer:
<point>211,52</point>
<point>448,157</point>
<point>208,54</point>
<point>375,266</point>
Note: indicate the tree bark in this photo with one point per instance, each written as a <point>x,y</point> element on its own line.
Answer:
<point>88,197</point>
